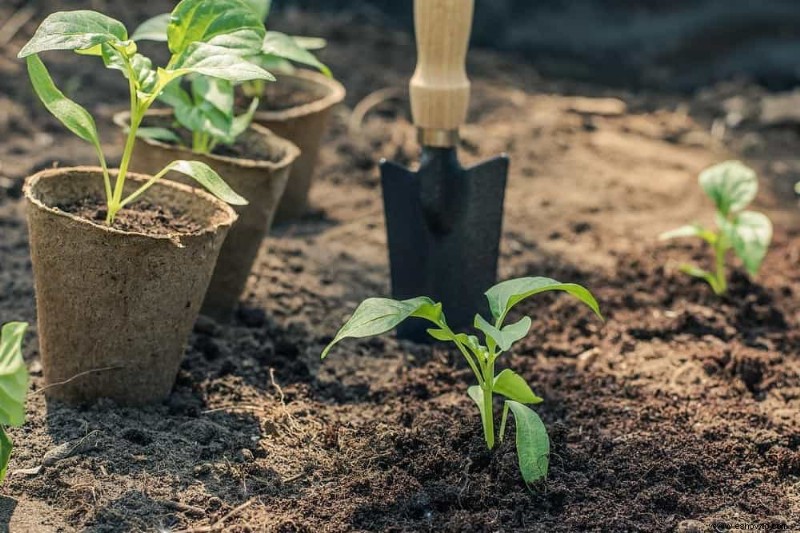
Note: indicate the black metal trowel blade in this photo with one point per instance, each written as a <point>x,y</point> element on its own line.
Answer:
<point>444,225</point>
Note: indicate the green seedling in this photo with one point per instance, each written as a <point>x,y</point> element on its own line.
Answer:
<point>206,37</point>
<point>280,51</point>
<point>13,387</point>
<point>732,186</point>
<point>207,108</point>
<point>377,316</point>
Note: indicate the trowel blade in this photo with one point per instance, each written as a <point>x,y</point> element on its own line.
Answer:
<point>446,247</point>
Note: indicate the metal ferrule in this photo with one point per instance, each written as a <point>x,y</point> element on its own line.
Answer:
<point>438,138</point>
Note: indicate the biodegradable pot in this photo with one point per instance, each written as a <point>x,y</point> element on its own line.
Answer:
<point>305,126</point>
<point>261,181</point>
<point>115,308</point>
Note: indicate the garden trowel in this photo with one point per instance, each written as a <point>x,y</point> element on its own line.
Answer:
<point>444,222</point>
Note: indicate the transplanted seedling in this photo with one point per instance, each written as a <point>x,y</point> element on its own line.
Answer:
<point>376,316</point>
<point>13,387</point>
<point>206,37</point>
<point>732,186</point>
<point>207,108</point>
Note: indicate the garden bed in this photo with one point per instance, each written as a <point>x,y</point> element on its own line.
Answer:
<point>683,407</point>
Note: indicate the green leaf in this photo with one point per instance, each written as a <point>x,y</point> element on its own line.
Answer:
<point>72,115</point>
<point>214,92</point>
<point>506,337</point>
<point>533,444</point>
<point>310,43</point>
<point>219,62</point>
<point>74,30</point>
<point>376,316</point>
<point>231,25</point>
<point>154,29</point>
<point>243,121</point>
<point>13,375</point>
<point>261,7</point>
<point>697,272</point>
<point>476,393</point>
<point>731,185</point>
<point>208,178</point>
<point>445,335</point>
<point>5,452</point>
<point>750,234</point>
<point>212,111</point>
<point>158,134</point>
<point>513,386</point>
<point>504,296</point>
<point>144,73</point>
<point>693,230</point>
<point>273,64</point>
<point>281,45</point>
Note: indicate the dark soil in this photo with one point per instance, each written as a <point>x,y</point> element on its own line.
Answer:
<point>680,413</point>
<point>138,217</point>
<point>279,97</point>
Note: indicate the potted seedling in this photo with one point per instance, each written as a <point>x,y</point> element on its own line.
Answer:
<point>14,387</point>
<point>202,125</point>
<point>732,186</point>
<point>122,261</point>
<point>377,316</point>
<point>297,107</point>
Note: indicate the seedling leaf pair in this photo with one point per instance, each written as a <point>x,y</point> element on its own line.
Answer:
<point>13,387</point>
<point>732,186</point>
<point>207,38</point>
<point>207,109</point>
<point>376,316</point>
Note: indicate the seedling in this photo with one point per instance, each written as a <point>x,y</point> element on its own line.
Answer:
<point>13,387</point>
<point>377,316</point>
<point>207,108</point>
<point>732,186</point>
<point>281,50</point>
<point>209,38</point>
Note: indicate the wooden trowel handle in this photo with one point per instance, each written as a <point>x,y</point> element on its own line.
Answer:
<point>440,88</point>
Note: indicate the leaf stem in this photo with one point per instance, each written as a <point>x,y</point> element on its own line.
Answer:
<point>470,361</point>
<point>141,190</point>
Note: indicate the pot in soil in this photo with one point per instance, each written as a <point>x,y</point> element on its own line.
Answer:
<point>298,107</point>
<point>256,167</point>
<point>116,304</point>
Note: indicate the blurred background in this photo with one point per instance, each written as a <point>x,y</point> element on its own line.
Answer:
<point>680,44</point>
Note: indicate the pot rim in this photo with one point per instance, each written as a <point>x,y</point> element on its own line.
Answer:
<point>228,219</point>
<point>291,151</point>
<point>336,95</point>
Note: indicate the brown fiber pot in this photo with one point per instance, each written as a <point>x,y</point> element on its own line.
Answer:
<point>261,182</point>
<point>304,125</point>
<point>115,308</point>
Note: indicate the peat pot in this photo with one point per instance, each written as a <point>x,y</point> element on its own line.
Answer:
<point>303,124</point>
<point>259,173</point>
<point>115,308</point>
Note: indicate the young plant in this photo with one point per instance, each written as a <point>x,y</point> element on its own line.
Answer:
<point>732,186</point>
<point>281,50</point>
<point>207,37</point>
<point>13,387</point>
<point>207,108</point>
<point>376,316</point>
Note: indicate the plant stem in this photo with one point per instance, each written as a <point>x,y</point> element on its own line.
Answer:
<point>488,418</point>
<point>137,114</point>
<point>720,249</point>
